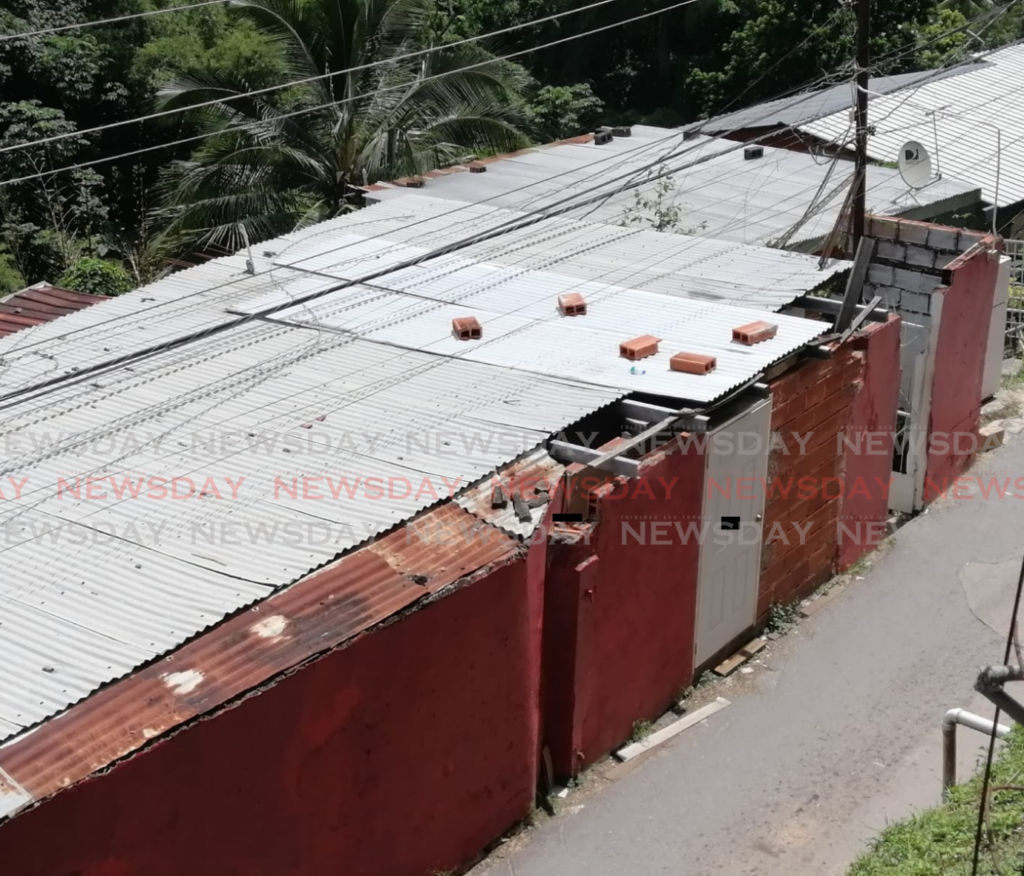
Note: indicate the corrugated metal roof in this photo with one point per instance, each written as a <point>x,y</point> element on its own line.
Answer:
<point>82,608</point>
<point>803,108</point>
<point>535,475</point>
<point>40,304</point>
<point>202,298</point>
<point>668,264</point>
<point>316,616</point>
<point>726,198</point>
<point>957,118</point>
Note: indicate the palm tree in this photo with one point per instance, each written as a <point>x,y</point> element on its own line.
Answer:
<point>269,170</point>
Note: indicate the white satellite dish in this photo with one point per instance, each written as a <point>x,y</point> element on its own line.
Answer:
<point>915,165</point>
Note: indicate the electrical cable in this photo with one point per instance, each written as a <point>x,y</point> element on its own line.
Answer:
<point>63,28</point>
<point>383,62</point>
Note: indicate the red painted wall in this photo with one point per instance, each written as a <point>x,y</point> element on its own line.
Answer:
<point>959,368</point>
<point>406,752</point>
<point>864,509</point>
<point>619,619</point>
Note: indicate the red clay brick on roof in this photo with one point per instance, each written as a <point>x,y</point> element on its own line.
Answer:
<point>312,617</point>
<point>693,363</point>
<point>639,348</point>
<point>467,328</point>
<point>572,304</point>
<point>755,332</point>
<point>42,303</point>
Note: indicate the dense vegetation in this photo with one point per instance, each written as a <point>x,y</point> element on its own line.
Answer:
<point>194,176</point>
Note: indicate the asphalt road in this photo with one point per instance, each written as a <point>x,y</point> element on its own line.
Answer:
<point>836,734</point>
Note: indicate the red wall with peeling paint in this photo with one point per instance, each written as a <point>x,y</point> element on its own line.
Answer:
<point>619,615</point>
<point>864,508</point>
<point>404,753</point>
<point>959,367</point>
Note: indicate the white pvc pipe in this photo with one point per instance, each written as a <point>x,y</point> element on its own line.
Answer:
<point>966,719</point>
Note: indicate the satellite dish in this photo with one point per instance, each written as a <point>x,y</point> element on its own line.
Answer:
<point>915,165</point>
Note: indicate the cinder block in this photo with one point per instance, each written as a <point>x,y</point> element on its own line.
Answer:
<point>881,275</point>
<point>883,229</point>
<point>916,302</point>
<point>890,251</point>
<point>930,283</point>
<point>920,256</point>
<point>909,281</point>
<point>890,295</point>
<point>944,238</point>
<point>969,239</point>
<point>910,232</point>
<point>944,259</point>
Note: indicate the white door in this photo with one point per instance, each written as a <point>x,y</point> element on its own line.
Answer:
<point>730,556</point>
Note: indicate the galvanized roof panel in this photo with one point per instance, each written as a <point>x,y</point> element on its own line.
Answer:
<point>83,607</point>
<point>803,108</point>
<point>959,120</point>
<point>669,264</point>
<point>783,194</point>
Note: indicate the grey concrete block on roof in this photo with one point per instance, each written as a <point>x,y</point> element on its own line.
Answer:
<point>891,251</point>
<point>912,233</point>
<point>882,275</point>
<point>920,256</point>
<point>883,229</point>
<point>916,302</point>
<point>944,238</point>
<point>930,282</point>
<point>909,280</point>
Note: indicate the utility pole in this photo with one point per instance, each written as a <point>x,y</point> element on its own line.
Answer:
<point>860,178</point>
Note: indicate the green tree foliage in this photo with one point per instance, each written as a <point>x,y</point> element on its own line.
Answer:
<point>268,170</point>
<point>273,170</point>
<point>93,276</point>
<point>565,110</point>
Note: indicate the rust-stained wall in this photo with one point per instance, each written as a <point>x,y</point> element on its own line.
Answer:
<point>404,753</point>
<point>619,613</point>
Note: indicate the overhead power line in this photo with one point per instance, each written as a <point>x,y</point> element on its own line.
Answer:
<point>383,62</point>
<point>117,19</point>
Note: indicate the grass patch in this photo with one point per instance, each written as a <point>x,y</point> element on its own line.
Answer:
<point>941,841</point>
<point>641,730</point>
<point>782,617</point>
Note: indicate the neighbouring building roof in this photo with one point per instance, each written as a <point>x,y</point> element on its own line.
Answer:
<point>40,304</point>
<point>958,119</point>
<point>782,198</point>
<point>803,108</point>
<point>362,384</point>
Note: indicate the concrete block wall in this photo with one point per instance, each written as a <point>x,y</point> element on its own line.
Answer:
<point>911,259</point>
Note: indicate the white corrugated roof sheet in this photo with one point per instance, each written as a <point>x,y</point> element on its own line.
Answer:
<point>958,119</point>
<point>83,607</point>
<point>372,387</point>
<point>523,329</point>
<point>782,198</point>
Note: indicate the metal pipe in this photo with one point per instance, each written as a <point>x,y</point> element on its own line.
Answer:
<point>949,722</point>
<point>999,163</point>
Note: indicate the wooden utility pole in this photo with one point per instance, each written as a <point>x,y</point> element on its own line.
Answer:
<point>860,178</point>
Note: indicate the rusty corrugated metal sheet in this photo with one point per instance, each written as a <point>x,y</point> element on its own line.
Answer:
<point>312,617</point>
<point>533,471</point>
<point>41,303</point>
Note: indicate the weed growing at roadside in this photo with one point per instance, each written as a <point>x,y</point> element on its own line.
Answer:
<point>641,730</point>
<point>781,617</point>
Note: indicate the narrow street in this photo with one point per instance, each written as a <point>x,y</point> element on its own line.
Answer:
<point>836,734</point>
